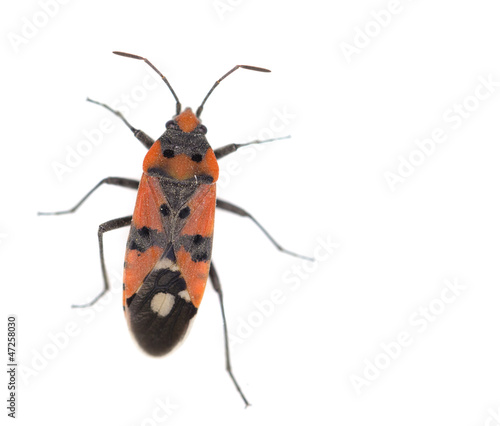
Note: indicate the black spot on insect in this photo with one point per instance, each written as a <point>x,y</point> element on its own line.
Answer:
<point>135,246</point>
<point>196,157</point>
<point>170,254</point>
<point>169,153</point>
<point>205,178</point>
<point>200,257</point>
<point>130,299</point>
<point>164,210</point>
<point>144,231</point>
<point>197,239</point>
<point>184,212</point>
<point>124,286</point>
<point>156,171</point>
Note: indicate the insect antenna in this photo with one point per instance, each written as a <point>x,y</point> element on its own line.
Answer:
<point>129,55</point>
<point>247,67</point>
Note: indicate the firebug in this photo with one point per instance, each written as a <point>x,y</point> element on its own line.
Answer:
<point>168,254</point>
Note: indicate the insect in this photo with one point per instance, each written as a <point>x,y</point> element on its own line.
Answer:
<point>168,255</point>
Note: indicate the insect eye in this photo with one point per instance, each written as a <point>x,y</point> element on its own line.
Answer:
<point>170,124</point>
<point>203,129</point>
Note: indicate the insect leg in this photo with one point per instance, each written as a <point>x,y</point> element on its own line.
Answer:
<point>105,227</point>
<point>229,149</point>
<point>214,279</point>
<point>146,140</point>
<point>224,205</point>
<point>118,181</point>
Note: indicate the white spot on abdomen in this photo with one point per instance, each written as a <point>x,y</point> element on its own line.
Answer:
<point>166,263</point>
<point>185,295</point>
<point>162,303</point>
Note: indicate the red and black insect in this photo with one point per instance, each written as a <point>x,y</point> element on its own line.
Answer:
<point>168,256</point>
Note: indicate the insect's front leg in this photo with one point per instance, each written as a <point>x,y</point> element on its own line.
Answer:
<point>232,147</point>
<point>146,140</point>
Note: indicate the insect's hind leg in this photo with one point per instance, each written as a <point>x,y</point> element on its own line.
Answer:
<point>118,181</point>
<point>105,227</point>
<point>225,205</point>
<point>214,279</point>
<point>146,140</point>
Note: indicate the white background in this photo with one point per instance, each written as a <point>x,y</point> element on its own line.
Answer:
<point>355,117</point>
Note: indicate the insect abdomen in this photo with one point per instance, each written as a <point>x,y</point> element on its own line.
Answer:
<point>159,314</point>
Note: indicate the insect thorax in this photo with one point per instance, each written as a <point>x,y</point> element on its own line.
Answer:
<point>181,156</point>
